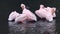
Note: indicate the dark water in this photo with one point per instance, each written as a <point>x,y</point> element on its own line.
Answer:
<point>39,27</point>
<point>7,6</point>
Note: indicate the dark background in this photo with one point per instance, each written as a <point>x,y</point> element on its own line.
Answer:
<point>7,6</point>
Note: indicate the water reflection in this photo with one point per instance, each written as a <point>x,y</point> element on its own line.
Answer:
<point>39,27</point>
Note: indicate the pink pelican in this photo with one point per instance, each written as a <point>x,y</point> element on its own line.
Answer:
<point>26,15</point>
<point>43,13</point>
<point>13,15</point>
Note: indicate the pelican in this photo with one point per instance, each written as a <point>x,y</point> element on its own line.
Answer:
<point>43,13</point>
<point>26,15</point>
<point>13,15</point>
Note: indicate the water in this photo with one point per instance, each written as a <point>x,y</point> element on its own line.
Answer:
<point>58,22</point>
<point>39,27</point>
